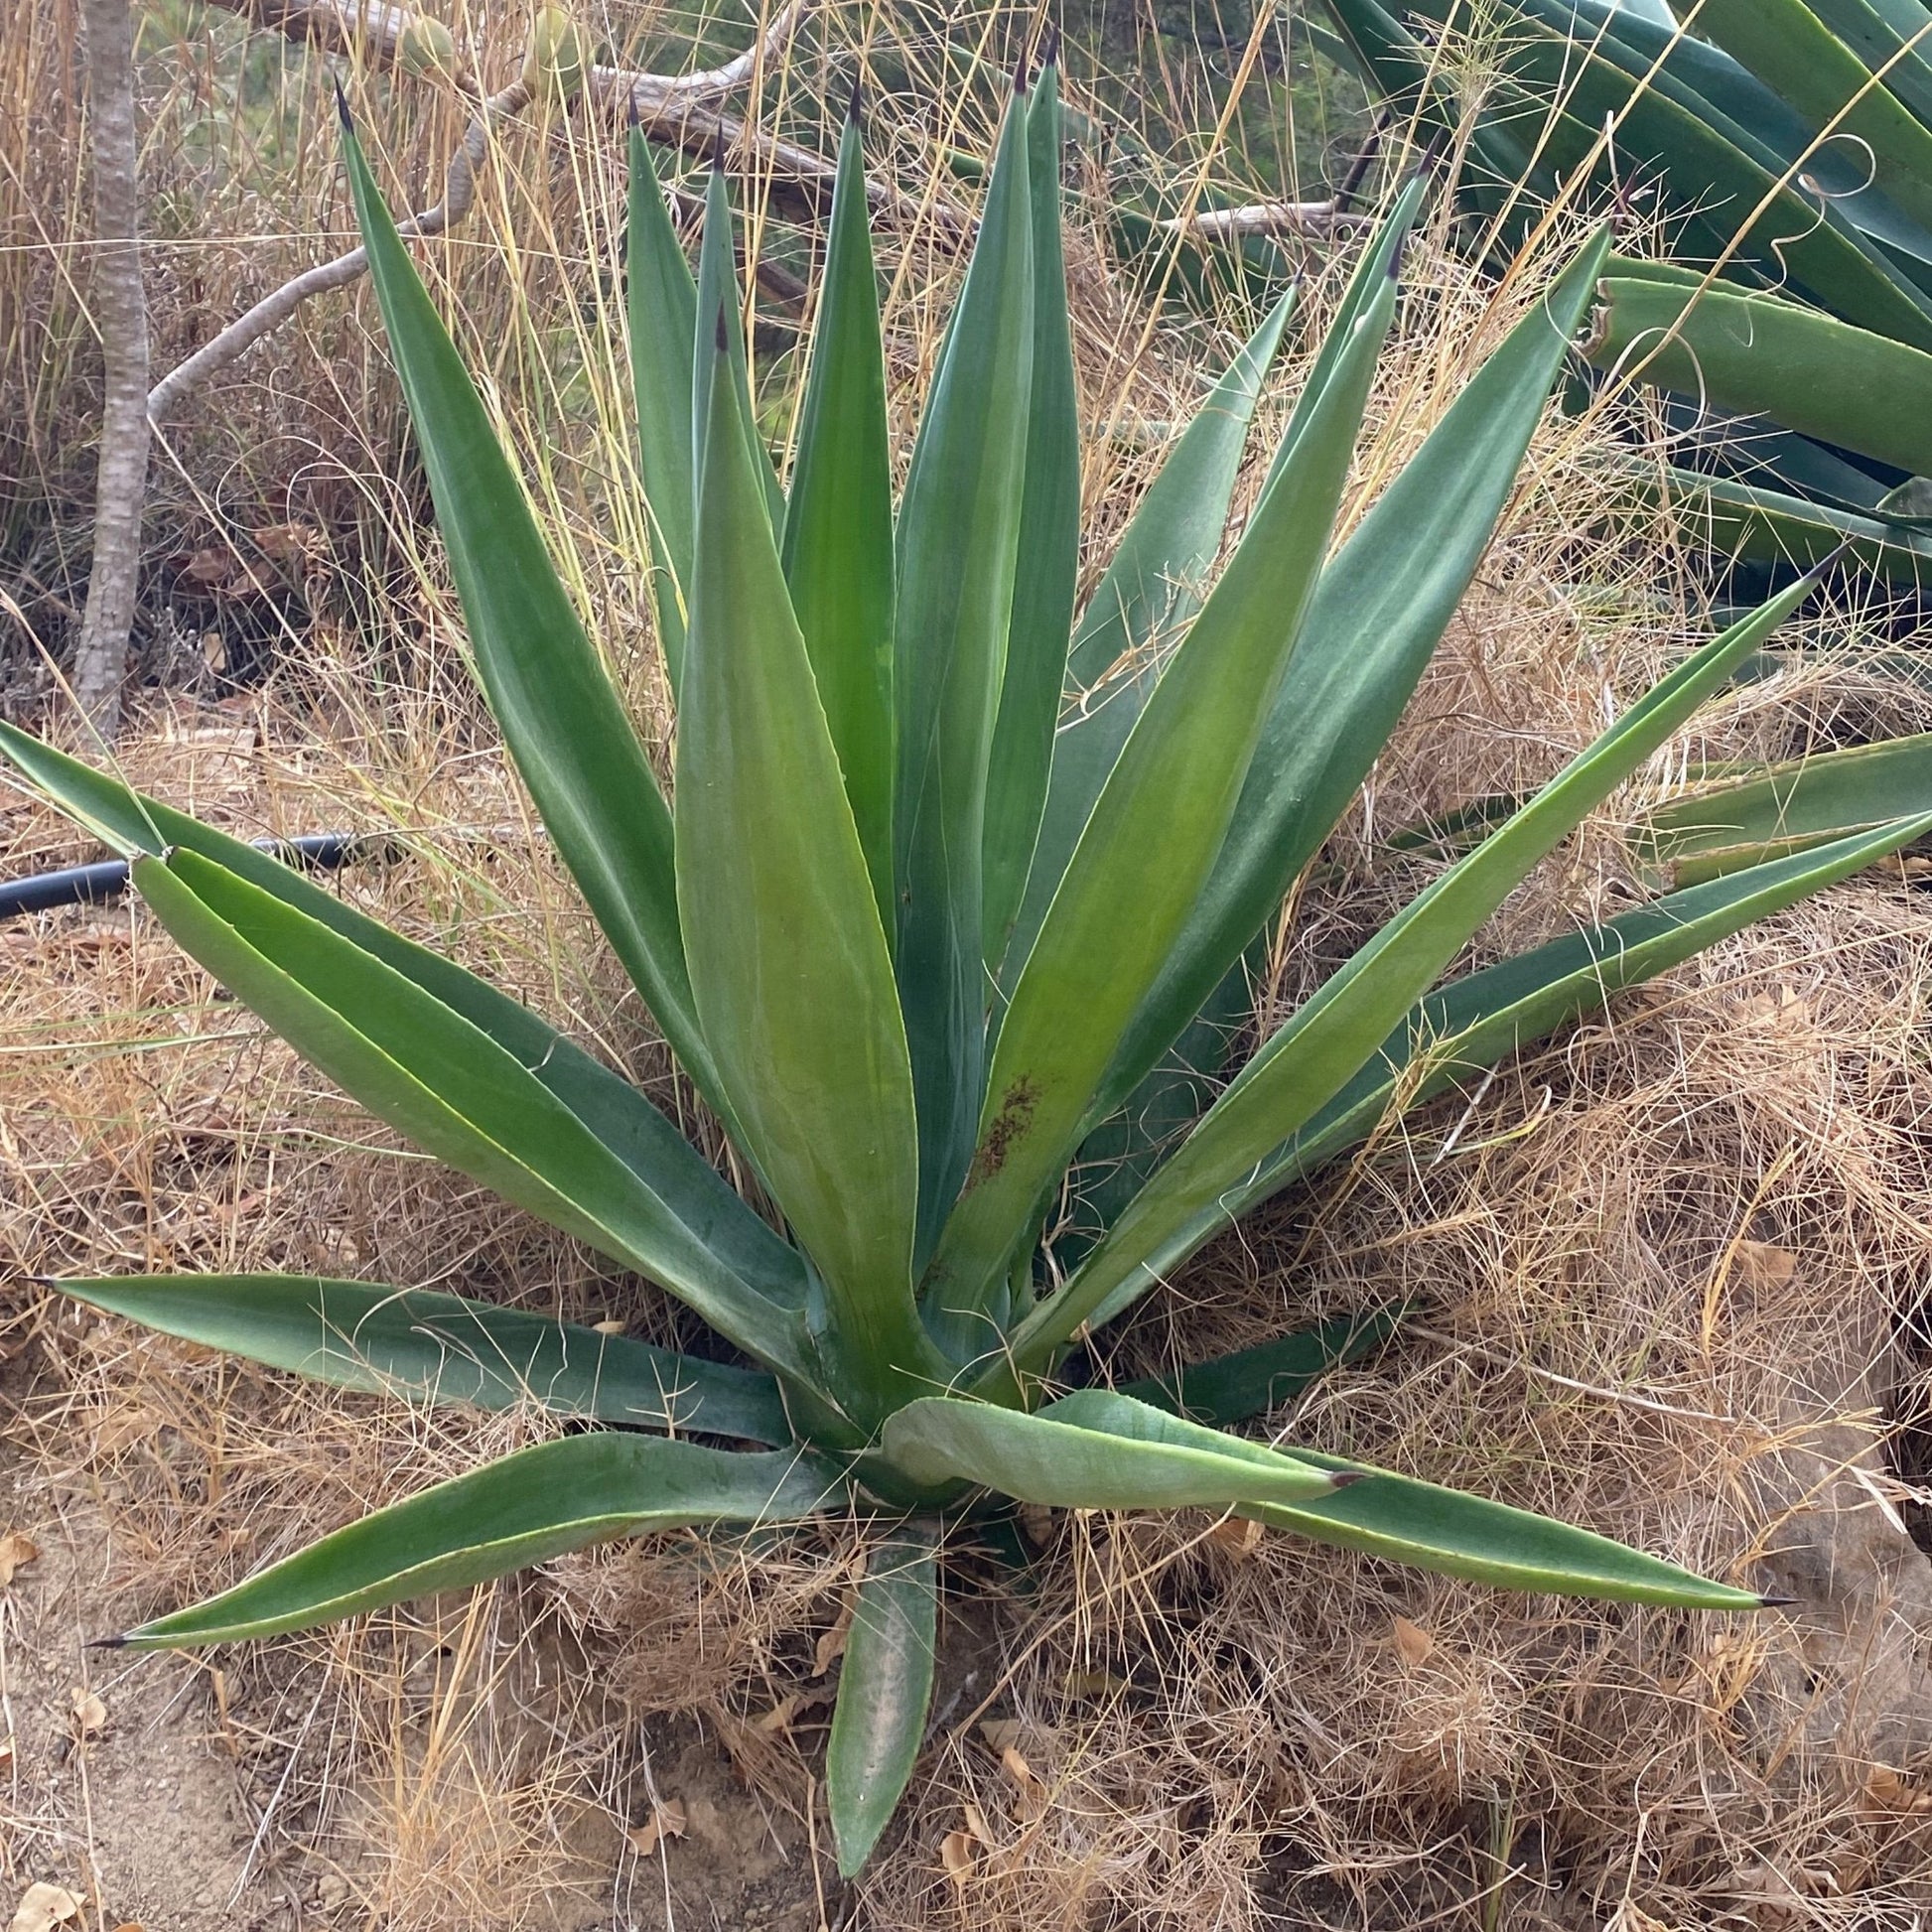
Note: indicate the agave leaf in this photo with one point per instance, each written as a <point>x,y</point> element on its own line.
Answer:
<point>1886,33</point>
<point>1721,828</point>
<point>1252,1380</point>
<point>1313,1055</point>
<point>1154,586</point>
<point>1153,834</point>
<point>1378,614</point>
<point>1092,1458</point>
<point>453,1090</point>
<point>559,716</point>
<point>1785,45</point>
<point>1485,1017</point>
<point>1156,580</point>
<point>1154,583</point>
<point>838,546</point>
<point>1438,1529</point>
<point>884,1690</point>
<point>1746,520</point>
<point>661,306</point>
<point>958,538</point>
<point>1756,355</point>
<point>609,1106</point>
<point>389,1340</point>
<point>521,1510</point>
<point>1047,571</point>
<point>719,293</point>
<point>788,959</point>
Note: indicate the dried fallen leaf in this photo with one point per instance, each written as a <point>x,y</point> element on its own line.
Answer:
<point>130,1925</point>
<point>778,1718</point>
<point>17,1551</point>
<point>666,1820</point>
<point>89,1714</point>
<point>1035,1524</point>
<point>1762,1264</point>
<point>831,1643</point>
<point>1413,1643</point>
<point>1028,1782</point>
<point>1891,1791</point>
<point>1239,1536</point>
<point>977,1825</point>
<point>42,1907</point>
<point>1002,1733</point>
<point>612,1327</point>
<point>6,1756</point>
<point>957,1855</point>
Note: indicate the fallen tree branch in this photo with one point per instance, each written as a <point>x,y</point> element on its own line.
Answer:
<point>1305,218</point>
<point>459,191</point>
<point>673,109</point>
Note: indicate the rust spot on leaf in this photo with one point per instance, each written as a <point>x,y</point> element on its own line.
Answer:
<point>1010,1124</point>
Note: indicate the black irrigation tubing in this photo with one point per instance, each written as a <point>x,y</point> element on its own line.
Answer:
<point>96,884</point>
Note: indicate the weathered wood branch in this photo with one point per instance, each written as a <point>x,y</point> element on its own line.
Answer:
<point>677,109</point>
<point>1305,218</point>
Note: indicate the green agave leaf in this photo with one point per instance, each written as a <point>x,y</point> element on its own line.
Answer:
<point>1313,1055</point>
<point>1156,579</point>
<point>838,545</point>
<point>884,1690</point>
<point>1155,584</point>
<point>661,307</point>
<point>445,1083</point>
<point>391,1340</point>
<point>1877,30</point>
<point>1485,1017</point>
<point>958,539</point>
<point>1756,355</point>
<point>609,1106</point>
<point>1153,834</point>
<point>1046,574</point>
<point>1721,828</point>
<point>559,716</point>
<point>1251,1381</point>
<point>1785,45</point>
<point>1090,1457</point>
<point>1379,612</point>
<point>523,1509</point>
<point>1761,526</point>
<point>788,960</point>
<point>1438,1529</point>
<point>718,291</point>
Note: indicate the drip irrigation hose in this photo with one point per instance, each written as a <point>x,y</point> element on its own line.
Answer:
<point>96,884</point>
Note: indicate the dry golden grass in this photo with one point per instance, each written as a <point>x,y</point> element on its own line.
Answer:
<point>1661,1268</point>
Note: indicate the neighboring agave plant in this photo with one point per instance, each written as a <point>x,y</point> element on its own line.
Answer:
<point>947,927</point>
<point>1788,145</point>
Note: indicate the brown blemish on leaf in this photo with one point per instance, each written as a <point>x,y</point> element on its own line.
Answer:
<point>1010,1124</point>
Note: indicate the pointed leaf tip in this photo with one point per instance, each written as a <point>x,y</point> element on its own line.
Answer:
<point>341,105</point>
<point>1020,75</point>
<point>1772,1602</point>
<point>855,110</point>
<point>630,115</point>
<point>1050,47</point>
<point>1431,153</point>
<point>118,1642</point>
<point>718,147</point>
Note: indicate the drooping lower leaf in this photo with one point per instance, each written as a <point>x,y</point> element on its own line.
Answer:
<point>452,1089</point>
<point>445,1347</point>
<point>1443,1529</point>
<point>1098,1454</point>
<point>884,1690</point>
<point>523,1509</point>
<point>607,1105</point>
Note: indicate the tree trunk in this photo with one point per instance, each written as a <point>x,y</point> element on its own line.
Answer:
<point>120,313</point>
